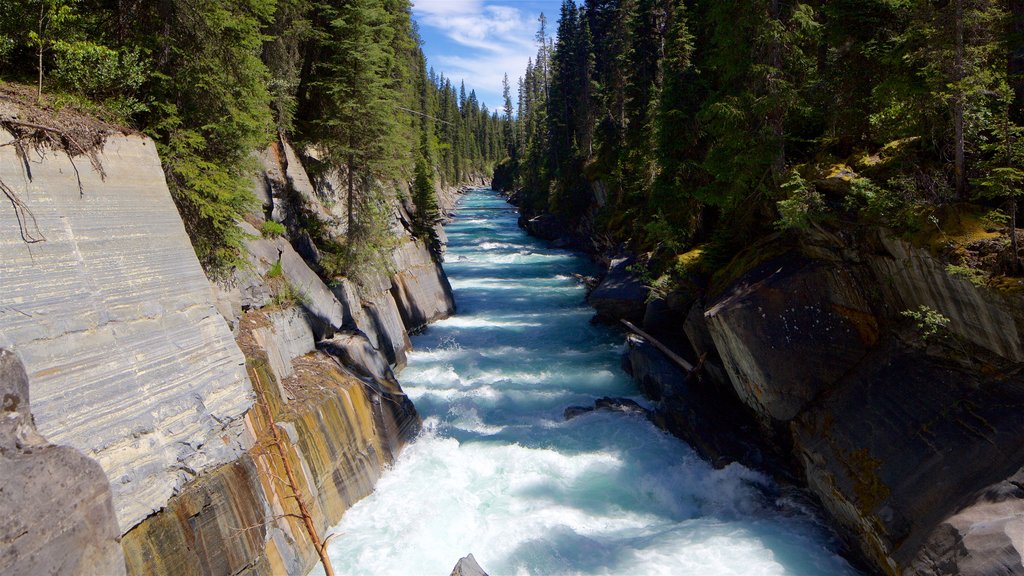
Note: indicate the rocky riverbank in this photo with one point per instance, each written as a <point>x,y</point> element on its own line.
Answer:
<point>855,366</point>
<point>211,408</point>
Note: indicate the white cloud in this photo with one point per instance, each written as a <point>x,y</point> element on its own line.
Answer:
<point>494,39</point>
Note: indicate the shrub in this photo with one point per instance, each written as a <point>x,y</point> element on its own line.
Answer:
<point>929,321</point>
<point>972,275</point>
<point>275,270</point>
<point>802,205</point>
<point>271,229</point>
<point>287,295</point>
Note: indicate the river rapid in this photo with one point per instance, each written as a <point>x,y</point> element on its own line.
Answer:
<point>498,472</point>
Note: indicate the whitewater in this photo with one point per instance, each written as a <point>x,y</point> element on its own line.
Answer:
<point>497,470</point>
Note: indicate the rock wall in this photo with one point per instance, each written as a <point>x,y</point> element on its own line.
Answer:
<point>172,383</point>
<point>112,314</point>
<point>911,446</point>
<point>320,359</point>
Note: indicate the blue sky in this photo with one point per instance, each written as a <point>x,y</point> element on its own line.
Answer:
<point>479,41</point>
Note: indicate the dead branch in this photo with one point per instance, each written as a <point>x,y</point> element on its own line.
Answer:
<point>321,548</point>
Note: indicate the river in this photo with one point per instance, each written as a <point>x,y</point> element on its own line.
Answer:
<point>498,472</point>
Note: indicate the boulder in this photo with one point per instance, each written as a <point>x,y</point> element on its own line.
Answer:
<point>704,412</point>
<point>56,504</point>
<point>620,295</point>
<point>467,566</point>
<point>607,404</point>
<point>356,353</point>
<point>791,307</point>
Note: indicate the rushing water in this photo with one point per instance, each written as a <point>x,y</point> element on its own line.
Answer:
<point>499,473</point>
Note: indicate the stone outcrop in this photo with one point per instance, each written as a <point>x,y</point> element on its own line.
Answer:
<point>130,361</point>
<point>58,515</point>
<point>911,446</point>
<point>341,432</point>
<point>468,566</point>
<point>620,295</point>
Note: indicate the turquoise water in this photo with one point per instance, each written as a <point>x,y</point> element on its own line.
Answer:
<point>499,473</point>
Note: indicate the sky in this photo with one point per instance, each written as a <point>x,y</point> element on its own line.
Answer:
<point>480,40</point>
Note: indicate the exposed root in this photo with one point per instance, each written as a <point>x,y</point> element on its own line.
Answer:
<point>27,225</point>
<point>39,126</point>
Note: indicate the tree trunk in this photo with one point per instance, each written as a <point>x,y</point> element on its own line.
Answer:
<point>959,168</point>
<point>1016,59</point>
<point>1013,235</point>
<point>42,27</point>
<point>351,197</point>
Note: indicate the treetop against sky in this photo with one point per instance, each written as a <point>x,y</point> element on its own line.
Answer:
<point>480,41</point>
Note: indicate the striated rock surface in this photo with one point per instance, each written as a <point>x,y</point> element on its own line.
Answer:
<point>130,361</point>
<point>58,516</point>
<point>911,277</point>
<point>420,287</point>
<point>341,432</point>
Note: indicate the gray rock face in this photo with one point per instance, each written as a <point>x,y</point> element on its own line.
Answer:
<point>619,295</point>
<point>288,336</point>
<point>58,516</point>
<point>324,309</point>
<point>420,287</point>
<point>913,277</point>
<point>467,566</point>
<point>356,352</point>
<point>129,360</point>
<point>913,450</point>
<point>791,308</point>
<point>703,411</point>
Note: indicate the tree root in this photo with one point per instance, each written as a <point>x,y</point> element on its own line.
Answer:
<point>31,136</point>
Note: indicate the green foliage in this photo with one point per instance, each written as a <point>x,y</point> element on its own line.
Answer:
<point>271,229</point>
<point>275,270</point>
<point>367,249</point>
<point>995,218</point>
<point>802,205</point>
<point>929,322</point>
<point>972,275</point>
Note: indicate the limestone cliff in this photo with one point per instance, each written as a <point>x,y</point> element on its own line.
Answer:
<point>112,314</point>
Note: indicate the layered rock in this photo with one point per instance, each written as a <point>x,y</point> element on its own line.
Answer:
<point>58,515</point>
<point>340,432</point>
<point>133,363</point>
<point>129,360</point>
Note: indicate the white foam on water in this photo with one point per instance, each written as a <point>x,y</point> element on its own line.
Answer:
<point>498,472</point>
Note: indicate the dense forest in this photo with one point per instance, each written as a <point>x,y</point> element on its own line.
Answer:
<point>693,127</point>
<point>213,82</point>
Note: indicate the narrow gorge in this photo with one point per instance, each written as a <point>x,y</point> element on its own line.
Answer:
<point>397,287</point>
